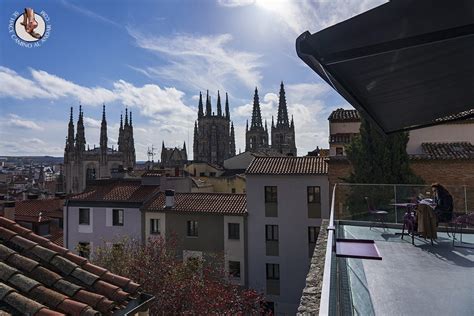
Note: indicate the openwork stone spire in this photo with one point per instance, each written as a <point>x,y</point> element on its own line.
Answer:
<point>256,114</point>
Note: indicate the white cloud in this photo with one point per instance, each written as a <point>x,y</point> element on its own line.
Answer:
<point>169,117</point>
<point>17,121</point>
<point>90,122</point>
<point>235,3</point>
<point>89,13</point>
<point>200,62</point>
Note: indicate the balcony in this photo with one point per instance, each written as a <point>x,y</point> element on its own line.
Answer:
<point>419,278</point>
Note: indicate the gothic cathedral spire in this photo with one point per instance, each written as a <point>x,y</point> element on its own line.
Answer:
<point>282,118</point>
<point>80,133</point>
<point>219,107</point>
<point>227,112</point>
<point>200,110</point>
<point>208,105</point>
<point>103,131</point>
<point>256,114</point>
<point>70,134</point>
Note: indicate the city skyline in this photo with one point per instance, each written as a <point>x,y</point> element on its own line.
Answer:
<point>156,65</point>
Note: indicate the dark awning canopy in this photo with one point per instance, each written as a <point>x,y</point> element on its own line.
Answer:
<point>405,64</point>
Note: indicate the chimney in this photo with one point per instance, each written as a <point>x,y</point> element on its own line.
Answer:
<point>169,201</point>
<point>9,210</point>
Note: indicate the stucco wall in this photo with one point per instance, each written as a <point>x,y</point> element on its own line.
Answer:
<point>293,225</point>
<point>99,232</point>
<point>234,250</point>
<point>209,228</point>
<point>439,134</point>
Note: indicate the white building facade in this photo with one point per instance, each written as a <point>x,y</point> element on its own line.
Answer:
<point>286,198</point>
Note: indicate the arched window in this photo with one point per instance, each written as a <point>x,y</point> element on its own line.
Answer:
<point>90,172</point>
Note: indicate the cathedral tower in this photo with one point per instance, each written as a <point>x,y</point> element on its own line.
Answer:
<point>256,138</point>
<point>283,134</point>
<point>82,165</point>
<point>214,140</point>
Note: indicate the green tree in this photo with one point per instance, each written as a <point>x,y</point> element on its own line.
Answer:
<point>378,159</point>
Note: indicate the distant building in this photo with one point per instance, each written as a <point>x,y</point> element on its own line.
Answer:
<point>173,157</point>
<point>287,197</point>
<point>214,136</point>
<point>82,165</point>
<point>256,138</point>
<point>343,126</point>
<point>282,134</point>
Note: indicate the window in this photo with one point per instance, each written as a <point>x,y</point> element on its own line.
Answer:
<point>339,151</point>
<point>233,190</point>
<point>313,233</point>
<point>117,217</point>
<point>192,228</point>
<point>271,232</point>
<point>314,195</point>
<point>84,249</point>
<point>234,269</point>
<point>234,230</point>
<point>154,226</point>
<point>90,174</point>
<point>84,216</point>
<point>202,174</point>
<point>273,271</point>
<point>212,174</point>
<point>270,194</point>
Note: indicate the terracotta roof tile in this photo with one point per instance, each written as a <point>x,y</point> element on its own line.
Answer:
<point>309,165</point>
<point>217,203</point>
<point>32,208</point>
<point>446,151</point>
<point>38,277</point>
<point>124,190</point>
<point>343,115</point>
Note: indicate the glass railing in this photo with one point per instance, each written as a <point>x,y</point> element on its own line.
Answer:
<point>344,289</point>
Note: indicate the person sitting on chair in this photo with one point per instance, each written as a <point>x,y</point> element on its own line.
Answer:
<point>444,203</point>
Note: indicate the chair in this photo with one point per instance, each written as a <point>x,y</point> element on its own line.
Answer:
<point>459,222</point>
<point>377,215</point>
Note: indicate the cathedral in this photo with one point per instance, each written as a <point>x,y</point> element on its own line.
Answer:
<point>81,164</point>
<point>282,135</point>
<point>214,138</point>
<point>173,157</point>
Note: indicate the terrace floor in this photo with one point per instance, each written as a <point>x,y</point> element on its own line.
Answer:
<point>418,279</point>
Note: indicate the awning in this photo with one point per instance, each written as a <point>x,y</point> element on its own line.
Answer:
<point>405,64</point>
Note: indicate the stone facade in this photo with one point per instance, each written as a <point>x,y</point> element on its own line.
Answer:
<point>283,134</point>
<point>81,164</point>
<point>173,157</point>
<point>214,138</point>
<point>256,138</point>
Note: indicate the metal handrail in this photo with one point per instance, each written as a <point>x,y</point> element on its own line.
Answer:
<point>326,287</point>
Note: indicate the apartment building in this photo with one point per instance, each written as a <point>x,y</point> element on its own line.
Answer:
<point>287,198</point>
<point>106,212</point>
<point>204,224</point>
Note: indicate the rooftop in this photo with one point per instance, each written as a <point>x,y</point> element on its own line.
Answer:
<point>31,209</point>
<point>446,151</point>
<point>38,277</point>
<point>343,115</point>
<point>213,203</point>
<point>308,165</point>
<point>118,190</point>
<point>419,278</point>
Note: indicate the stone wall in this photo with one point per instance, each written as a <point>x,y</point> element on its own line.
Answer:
<point>310,299</point>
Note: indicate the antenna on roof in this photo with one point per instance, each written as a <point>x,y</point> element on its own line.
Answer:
<point>151,154</point>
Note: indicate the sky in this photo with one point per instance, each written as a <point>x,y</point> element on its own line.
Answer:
<point>154,57</point>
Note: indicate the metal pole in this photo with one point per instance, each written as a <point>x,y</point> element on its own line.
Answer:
<point>465,199</point>
<point>395,202</point>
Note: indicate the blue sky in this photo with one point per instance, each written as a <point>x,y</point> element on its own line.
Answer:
<point>154,57</point>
